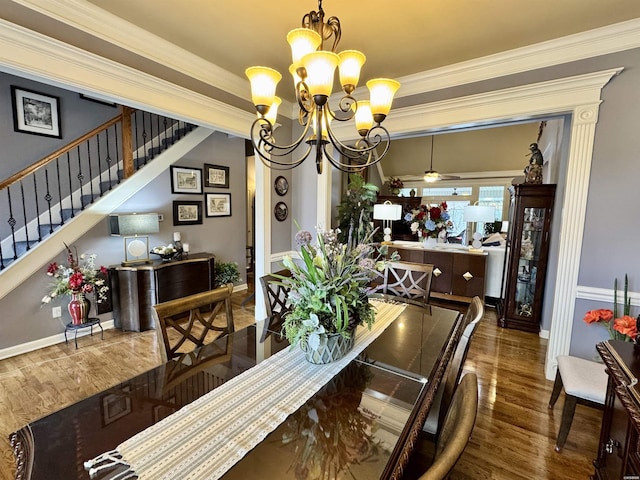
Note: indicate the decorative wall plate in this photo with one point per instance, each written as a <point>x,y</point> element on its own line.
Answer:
<point>281,185</point>
<point>281,211</point>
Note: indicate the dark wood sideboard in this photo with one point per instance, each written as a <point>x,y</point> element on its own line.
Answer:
<point>619,445</point>
<point>457,275</point>
<point>136,289</point>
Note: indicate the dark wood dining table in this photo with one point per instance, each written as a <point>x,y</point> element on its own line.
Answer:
<point>363,424</point>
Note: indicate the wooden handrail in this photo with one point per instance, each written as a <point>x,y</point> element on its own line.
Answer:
<point>49,158</point>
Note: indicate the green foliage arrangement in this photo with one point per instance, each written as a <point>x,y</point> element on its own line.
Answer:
<point>328,291</point>
<point>355,212</point>
<point>225,272</point>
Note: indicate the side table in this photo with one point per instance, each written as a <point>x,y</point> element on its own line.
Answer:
<point>89,324</point>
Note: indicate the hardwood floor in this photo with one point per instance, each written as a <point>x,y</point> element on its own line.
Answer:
<point>513,437</point>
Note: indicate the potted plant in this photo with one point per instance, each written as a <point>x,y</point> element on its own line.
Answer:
<point>224,273</point>
<point>328,293</point>
<point>356,209</point>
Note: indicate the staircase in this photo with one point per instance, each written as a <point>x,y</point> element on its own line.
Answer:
<point>44,197</point>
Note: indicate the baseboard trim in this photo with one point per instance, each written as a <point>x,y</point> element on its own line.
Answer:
<point>49,341</point>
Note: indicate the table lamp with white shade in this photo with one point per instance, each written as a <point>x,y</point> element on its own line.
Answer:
<point>479,213</point>
<point>134,227</point>
<point>387,212</point>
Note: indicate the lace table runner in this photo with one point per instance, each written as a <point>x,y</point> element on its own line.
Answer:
<point>207,437</point>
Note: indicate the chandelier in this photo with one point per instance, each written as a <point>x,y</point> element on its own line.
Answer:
<point>313,70</point>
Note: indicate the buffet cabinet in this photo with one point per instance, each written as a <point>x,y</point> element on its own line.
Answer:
<point>136,289</point>
<point>457,275</point>
<point>526,254</point>
<point>619,446</point>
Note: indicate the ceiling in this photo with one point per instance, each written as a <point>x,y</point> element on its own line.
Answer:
<point>398,38</point>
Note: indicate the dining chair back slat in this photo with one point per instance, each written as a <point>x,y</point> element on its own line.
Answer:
<point>275,298</point>
<point>408,280</point>
<point>187,323</point>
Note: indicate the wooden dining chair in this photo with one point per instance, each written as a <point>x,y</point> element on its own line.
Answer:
<point>411,281</point>
<point>275,298</point>
<point>474,313</point>
<point>187,323</point>
<point>456,430</point>
<point>446,390</point>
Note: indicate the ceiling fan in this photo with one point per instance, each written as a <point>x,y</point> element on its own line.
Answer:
<point>431,175</point>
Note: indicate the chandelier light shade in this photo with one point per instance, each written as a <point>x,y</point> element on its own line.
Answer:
<point>313,71</point>
<point>263,86</point>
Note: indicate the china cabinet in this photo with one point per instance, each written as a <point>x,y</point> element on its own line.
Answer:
<point>526,254</point>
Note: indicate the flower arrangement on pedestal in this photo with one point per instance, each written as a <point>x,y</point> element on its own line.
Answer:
<point>429,220</point>
<point>77,278</point>
<point>622,327</point>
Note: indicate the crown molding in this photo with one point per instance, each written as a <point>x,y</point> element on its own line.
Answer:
<point>108,27</point>
<point>99,23</point>
<point>600,41</point>
<point>30,54</point>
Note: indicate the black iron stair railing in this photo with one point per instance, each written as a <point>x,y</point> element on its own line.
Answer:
<point>43,196</point>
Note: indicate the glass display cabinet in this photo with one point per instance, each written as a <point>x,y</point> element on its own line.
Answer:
<point>526,254</point>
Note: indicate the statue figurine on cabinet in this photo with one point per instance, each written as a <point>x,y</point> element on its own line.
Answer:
<point>533,171</point>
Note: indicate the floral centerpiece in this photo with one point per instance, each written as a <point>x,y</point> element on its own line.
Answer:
<point>429,220</point>
<point>79,278</point>
<point>394,184</point>
<point>622,327</point>
<point>328,291</point>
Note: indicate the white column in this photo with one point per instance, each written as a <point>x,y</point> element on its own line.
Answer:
<point>574,207</point>
<point>262,232</point>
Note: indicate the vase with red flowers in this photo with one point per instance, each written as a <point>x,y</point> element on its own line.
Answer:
<point>77,279</point>
<point>429,221</point>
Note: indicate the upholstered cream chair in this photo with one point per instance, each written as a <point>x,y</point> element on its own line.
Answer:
<point>584,382</point>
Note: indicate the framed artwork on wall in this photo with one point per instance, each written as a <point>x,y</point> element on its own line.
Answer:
<point>35,113</point>
<point>216,176</point>
<point>281,211</point>
<point>187,212</point>
<point>186,180</point>
<point>218,204</point>
<point>281,185</point>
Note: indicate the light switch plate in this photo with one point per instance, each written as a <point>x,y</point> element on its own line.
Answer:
<point>56,311</point>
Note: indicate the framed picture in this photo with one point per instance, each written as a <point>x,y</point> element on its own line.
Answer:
<point>218,204</point>
<point>281,185</point>
<point>186,180</point>
<point>281,211</point>
<point>116,405</point>
<point>35,113</point>
<point>216,176</point>
<point>187,212</point>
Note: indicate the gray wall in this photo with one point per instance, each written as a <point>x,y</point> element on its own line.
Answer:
<point>77,117</point>
<point>23,318</point>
